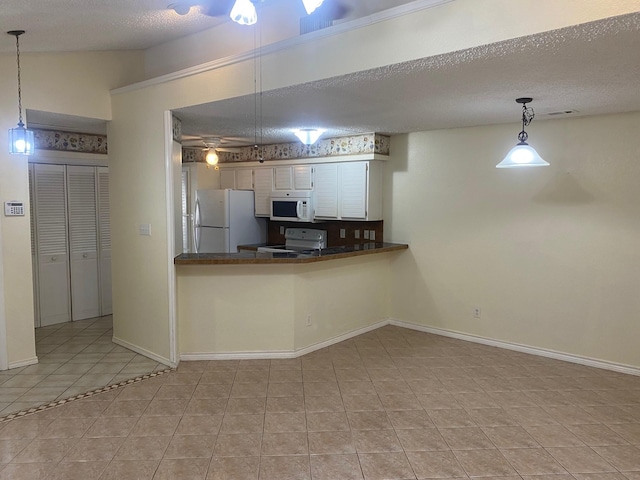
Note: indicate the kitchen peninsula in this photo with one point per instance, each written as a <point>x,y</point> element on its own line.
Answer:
<point>280,305</point>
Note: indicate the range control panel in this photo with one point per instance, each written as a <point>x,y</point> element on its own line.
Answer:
<point>13,209</point>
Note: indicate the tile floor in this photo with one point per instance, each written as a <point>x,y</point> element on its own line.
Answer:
<point>390,404</point>
<point>73,358</point>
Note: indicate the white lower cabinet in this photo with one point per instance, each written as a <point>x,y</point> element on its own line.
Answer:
<point>71,243</point>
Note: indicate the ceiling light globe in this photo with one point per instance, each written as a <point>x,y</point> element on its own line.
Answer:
<point>212,157</point>
<point>311,5</point>
<point>244,12</point>
<point>522,155</point>
<point>308,136</point>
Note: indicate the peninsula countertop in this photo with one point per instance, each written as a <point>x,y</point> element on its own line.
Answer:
<point>252,257</point>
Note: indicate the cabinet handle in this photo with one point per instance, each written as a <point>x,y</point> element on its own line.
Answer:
<point>53,259</point>
<point>84,255</point>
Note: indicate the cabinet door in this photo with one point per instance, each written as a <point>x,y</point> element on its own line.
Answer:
<point>325,181</point>
<point>302,177</point>
<point>227,178</point>
<point>34,257</point>
<point>353,190</point>
<point>51,244</point>
<point>283,178</point>
<point>83,242</point>
<point>244,179</point>
<point>262,186</point>
<point>104,241</point>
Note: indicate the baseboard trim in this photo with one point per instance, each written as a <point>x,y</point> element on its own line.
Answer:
<point>287,354</point>
<point>23,363</point>
<point>142,351</point>
<point>541,352</point>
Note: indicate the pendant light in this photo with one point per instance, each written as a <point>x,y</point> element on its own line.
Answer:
<point>523,155</point>
<point>308,136</point>
<point>311,5</point>
<point>21,140</point>
<point>244,12</point>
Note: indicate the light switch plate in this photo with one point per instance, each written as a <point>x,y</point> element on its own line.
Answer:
<point>366,234</point>
<point>372,235</point>
<point>145,229</point>
<point>343,233</point>
<point>356,234</point>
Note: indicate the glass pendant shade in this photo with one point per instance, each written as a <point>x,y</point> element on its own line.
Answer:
<point>522,155</point>
<point>311,5</point>
<point>21,140</point>
<point>212,157</point>
<point>308,136</point>
<point>244,12</point>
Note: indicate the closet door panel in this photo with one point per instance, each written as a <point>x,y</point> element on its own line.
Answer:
<point>104,238</point>
<point>83,242</point>
<point>51,244</point>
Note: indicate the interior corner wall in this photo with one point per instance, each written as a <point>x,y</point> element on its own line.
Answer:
<point>67,83</point>
<point>550,255</point>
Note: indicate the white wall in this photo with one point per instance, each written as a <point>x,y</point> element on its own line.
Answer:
<point>73,84</point>
<point>549,254</point>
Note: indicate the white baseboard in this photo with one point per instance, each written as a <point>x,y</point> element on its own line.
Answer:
<point>23,363</point>
<point>142,351</point>
<point>272,355</point>
<point>542,352</point>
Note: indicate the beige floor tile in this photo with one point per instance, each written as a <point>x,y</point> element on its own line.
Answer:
<point>327,421</point>
<point>166,407</point>
<point>401,419</point>
<point>251,405</point>
<point>143,448</point>
<point>77,471</point>
<point>290,443</point>
<point>217,377</point>
<point>238,445</point>
<point>192,469</point>
<point>455,417</point>
<point>629,431</point>
<point>228,468</point>
<point>45,450</point>
<point>285,468</point>
<point>370,420</point>
<point>553,436</point>
<point>285,389</point>
<point>242,389</point>
<point>357,388</point>
<point>175,391</point>
<point>26,471</point>
<point>624,458</point>
<point>421,439</point>
<point>94,449</point>
<point>376,441</point>
<point>340,442</point>
<point>191,446</point>
<point>491,417</point>
<point>111,427</point>
<point>356,403</point>
<point>242,424</point>
<point>10,448</point>
<point>437,401</point>
<point>67,427</point>
<point>126,408</point>
<point>533,461</point>
<point>598,435</point>
<point>285,422</point>
<point>130,470</point>
<point>510,437</point>
<point>329,403</point>
<point>206,406</point>
<point>332,467</point>
<point>599,476</point>
<point>580,460</point>
<point>466,438</point>
<point>199,425</point>
<point>385,466</point>
<point>288,404</point>
<point>155,426</point>
<point>484,463</point>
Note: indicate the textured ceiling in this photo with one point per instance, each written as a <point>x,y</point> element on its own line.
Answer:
<point>591,68</point>
<point>58,25</point>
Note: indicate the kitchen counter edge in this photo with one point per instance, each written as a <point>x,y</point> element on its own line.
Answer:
<point>247,257</point>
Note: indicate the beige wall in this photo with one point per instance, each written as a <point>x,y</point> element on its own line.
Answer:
<point>550,254</point>
<point>73,84</point>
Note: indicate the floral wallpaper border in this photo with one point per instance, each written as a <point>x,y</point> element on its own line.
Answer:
<point>70,141</point>
<point>329,147</point>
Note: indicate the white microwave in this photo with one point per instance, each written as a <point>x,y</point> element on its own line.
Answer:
<point>291,206</point>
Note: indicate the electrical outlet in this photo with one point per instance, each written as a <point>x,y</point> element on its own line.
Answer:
<point>372,235</point>
<point>309,320</point>
<point>366,234</point>
<point>343,233</point>
<point>477,312</point>
<point>356,234</point>
<point>281,229</point>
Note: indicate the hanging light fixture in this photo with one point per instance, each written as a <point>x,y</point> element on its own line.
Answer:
<point>21,140</point>
<point>244,12</point>
<point>308,136</point>
<point>523,155</point>
<point>212,156</point>
<point>311,5</point>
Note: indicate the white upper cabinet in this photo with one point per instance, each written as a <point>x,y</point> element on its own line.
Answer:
<point>228,178</point>
<point>325,182</point>
<point>302,177</point>
<point>244,179</point>
<point>262,187</point>
<point>353,190</point>
<point>283,178</point>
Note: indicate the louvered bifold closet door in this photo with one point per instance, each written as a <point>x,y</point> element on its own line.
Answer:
<point>104,236</point>
<point>34,257</point>
<point>51,244</point>
<point>83,242</point>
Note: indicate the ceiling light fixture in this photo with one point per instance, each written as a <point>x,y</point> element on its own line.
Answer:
<point>181,8</point>
<point>244,12</point>
<point>311,5</point>
<point>21,140</point>
<point>523,155</point>
<point>308,136</point>
<point>212,156</point>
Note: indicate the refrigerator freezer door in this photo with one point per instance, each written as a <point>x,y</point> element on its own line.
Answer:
<point>212,240</point>
<point>212,208</point>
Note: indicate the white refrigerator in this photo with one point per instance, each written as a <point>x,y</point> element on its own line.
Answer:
<point>225,219</point>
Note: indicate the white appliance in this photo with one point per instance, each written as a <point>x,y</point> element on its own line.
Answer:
<point>300,240</point>
<point>225,219</point>
<point>291,205</point>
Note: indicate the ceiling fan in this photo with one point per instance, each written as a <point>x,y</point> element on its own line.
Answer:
<point>328,9</point>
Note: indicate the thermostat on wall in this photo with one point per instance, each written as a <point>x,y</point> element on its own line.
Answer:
<point>13,209</point>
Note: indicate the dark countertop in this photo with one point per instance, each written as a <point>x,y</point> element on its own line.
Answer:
<point>249,256</point>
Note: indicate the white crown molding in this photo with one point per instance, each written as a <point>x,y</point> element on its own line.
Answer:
<point>541,352</point>
<point>288,43</point>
